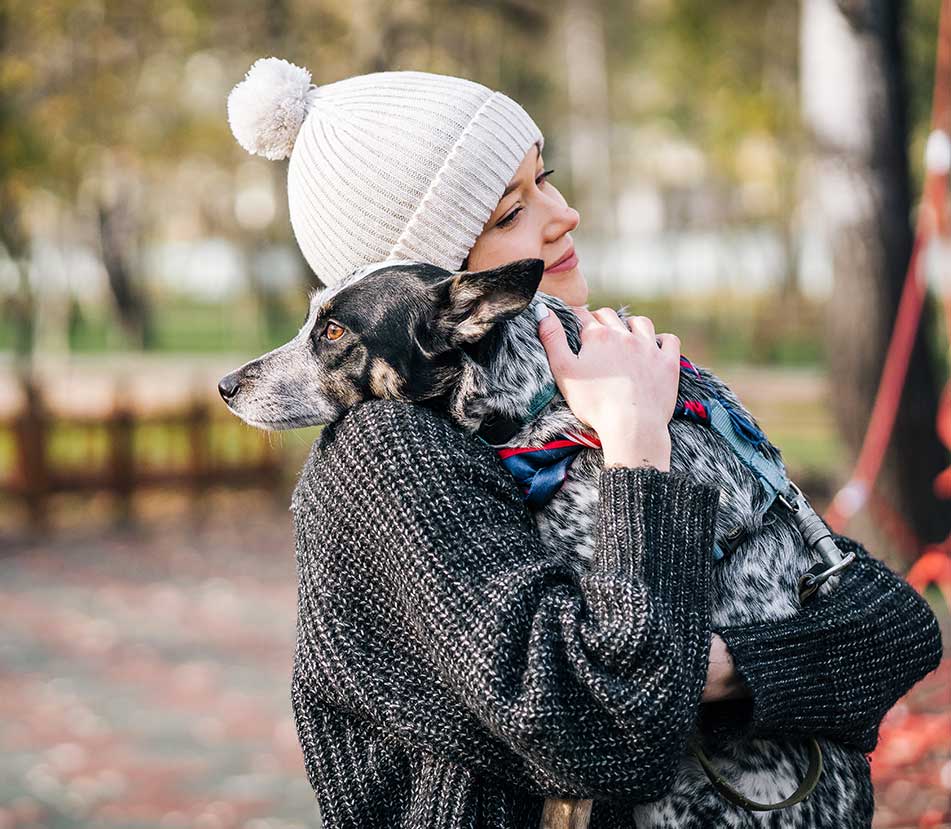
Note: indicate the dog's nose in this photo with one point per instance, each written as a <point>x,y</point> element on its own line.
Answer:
<point>228,386</point>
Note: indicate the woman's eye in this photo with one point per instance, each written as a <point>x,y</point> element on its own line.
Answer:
<point>507,219</point>
<point>539,180</point>
<point>333,331</point>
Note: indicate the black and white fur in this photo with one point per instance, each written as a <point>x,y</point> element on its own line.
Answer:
<point>467,343</point>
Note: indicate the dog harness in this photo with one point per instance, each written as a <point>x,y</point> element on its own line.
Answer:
<point>542,470</point>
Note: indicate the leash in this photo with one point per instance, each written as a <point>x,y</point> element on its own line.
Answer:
<point>727,792</point>
<point>542,470</point>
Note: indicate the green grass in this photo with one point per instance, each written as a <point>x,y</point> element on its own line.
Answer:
<point>6,452</point>
<point>76,447</point>
<point>821,454</point>
<point>180,326</point>
<point>764,330</point>
<point>722,329</point>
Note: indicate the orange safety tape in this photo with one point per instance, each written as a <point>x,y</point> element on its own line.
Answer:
<point>933,220</point>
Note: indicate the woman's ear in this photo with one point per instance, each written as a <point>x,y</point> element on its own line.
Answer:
<point>471,302</point>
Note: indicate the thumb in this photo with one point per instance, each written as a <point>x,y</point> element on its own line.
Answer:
<point>552,335</point>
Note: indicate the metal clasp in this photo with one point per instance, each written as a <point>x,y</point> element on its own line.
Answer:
<point>796,493</point>
<point>816,576</point>
<point>817,536</point>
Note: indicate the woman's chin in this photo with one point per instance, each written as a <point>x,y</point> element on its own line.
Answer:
<point>570,286</point>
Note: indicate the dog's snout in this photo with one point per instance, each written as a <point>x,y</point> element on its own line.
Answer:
<point>228,386</point>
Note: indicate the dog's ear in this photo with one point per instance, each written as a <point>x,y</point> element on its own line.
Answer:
<point>471,302</point>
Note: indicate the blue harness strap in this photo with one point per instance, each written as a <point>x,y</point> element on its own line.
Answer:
<point>542,470</point>
<point>771,473</point>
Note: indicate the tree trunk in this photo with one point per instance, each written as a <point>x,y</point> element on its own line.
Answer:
<point>132,305</point>
<point>854,104</point>
<point>589,124</point>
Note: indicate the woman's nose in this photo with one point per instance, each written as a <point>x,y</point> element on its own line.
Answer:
<point>573,218</point>
<point>563,221</point>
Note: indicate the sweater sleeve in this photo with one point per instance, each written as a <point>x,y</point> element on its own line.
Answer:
<point>838,666</point>
<point>429,606</point>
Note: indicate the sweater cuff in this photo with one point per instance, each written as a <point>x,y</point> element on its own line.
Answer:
<point>836,667</point>
<point>654,523</point>
<point>787,674</point>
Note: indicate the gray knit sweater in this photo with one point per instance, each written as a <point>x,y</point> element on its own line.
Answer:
<point>449,673</point>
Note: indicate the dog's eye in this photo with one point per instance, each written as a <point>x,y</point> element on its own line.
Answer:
<point>333,331</point>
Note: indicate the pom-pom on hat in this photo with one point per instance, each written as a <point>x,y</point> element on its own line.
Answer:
<point>267,108</point>
<point>386,166</point>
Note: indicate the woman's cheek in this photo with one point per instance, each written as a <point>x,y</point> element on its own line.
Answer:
<point>511,248</point>
<point>527,245</point>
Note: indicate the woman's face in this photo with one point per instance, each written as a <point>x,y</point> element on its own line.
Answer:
<point>533,221</point>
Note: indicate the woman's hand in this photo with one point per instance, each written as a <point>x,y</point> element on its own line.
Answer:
<point>723,682</point>
<point>620,383</point>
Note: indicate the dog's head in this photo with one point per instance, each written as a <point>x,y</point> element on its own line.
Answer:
<point>400,331</point>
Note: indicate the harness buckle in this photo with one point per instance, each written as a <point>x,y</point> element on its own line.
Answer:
<point>797,497</point>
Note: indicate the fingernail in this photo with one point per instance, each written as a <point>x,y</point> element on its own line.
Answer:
<point>541,311</point>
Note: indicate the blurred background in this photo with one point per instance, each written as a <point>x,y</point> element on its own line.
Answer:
<point>750,174</point>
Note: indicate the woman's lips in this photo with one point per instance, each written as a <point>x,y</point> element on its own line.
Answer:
<point>566,263</point>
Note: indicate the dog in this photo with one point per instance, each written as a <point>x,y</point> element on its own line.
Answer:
<point>466,344</point>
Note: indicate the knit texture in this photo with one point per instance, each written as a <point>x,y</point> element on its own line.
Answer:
<point>842,663</point>
<point>390,165</point>
<point>450,673</point>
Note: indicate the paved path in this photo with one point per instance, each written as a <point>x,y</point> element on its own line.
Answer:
<point>144,680</point>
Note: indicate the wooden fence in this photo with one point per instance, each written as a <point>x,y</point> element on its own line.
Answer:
<point>36,476</point>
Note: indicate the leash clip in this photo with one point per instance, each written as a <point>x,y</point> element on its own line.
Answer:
<point>818,575</point>
<point>817,536</point>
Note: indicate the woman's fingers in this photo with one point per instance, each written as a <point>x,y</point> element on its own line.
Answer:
<point>617,383</point>
<point>589,323</point>
<point>636,324</point>
<point>608,316</point>
<point>552,335</point>
<point>585,317</point>
<point>641,325</point>
<point>669,343</point>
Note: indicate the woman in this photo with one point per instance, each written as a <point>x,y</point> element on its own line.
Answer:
<point>448,673</point>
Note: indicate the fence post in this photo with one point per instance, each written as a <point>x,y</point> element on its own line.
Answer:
<point>30,427</point>
<point>197,426</point>
<point>121,461</point>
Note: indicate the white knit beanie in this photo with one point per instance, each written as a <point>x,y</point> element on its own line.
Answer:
<point>386,166</point>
